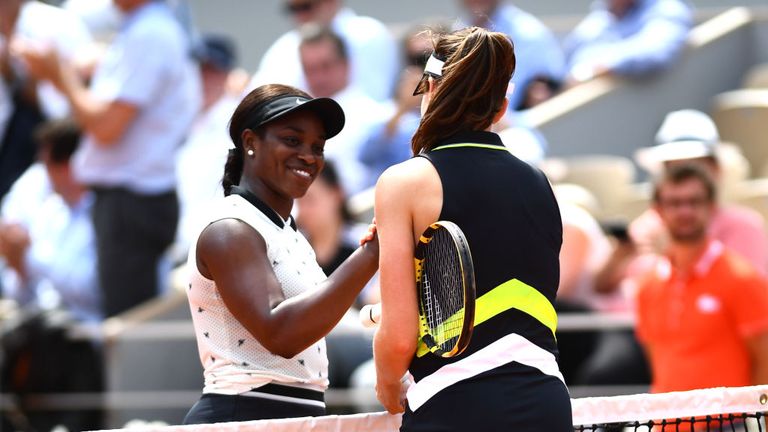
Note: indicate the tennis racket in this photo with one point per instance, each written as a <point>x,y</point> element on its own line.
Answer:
<point>445,282</point>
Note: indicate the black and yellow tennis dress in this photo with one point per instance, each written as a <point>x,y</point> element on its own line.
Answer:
<point>508,378</point>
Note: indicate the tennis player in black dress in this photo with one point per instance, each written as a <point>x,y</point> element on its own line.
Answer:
<point>508,378</point>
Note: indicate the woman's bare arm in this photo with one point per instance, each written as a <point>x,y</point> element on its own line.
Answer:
<point>235,256</point>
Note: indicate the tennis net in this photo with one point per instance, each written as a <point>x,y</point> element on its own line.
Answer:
<point>720,409</point>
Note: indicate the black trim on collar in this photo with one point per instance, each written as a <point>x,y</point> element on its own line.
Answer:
<point>478,137</point>
<point>262,206</point>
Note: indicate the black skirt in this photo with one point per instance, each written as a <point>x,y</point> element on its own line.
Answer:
<point>525,400</point>
<point>267,402</point>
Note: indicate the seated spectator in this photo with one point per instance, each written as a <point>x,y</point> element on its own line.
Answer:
<point>691,136</point>
<point>326,65</point>
<point>584,250</point>
<point>324,219</point>
<point>372,51</point>
<point>538,90</point>
<point>685,136</point>
<point>390,140</point>
<point>627,38</point>
<point>51,274</point>
<point>52,257</point>
<point>201,158</point>
<point>537,50</point>
<point>702,311</point>
<point>583,253</point>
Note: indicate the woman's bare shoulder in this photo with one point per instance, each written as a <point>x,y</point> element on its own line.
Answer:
<point>229,236</point>
<point>413,172</point>
<point>410,188</point>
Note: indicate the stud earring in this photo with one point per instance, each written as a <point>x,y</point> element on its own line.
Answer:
<point>250,152</point>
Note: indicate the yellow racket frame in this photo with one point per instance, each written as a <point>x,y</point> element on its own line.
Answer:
<point>428,337</point>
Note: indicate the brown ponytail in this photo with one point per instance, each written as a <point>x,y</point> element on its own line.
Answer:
<point>478,67</point>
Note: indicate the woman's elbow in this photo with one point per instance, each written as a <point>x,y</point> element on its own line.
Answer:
<point>404,348</point>
<point>284,350</point>
<point>399,347</point>
<point>287,353</point>
<point>284,343</point>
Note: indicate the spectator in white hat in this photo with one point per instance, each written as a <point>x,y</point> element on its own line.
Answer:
<point>689,136</point>
<point>685,137</point>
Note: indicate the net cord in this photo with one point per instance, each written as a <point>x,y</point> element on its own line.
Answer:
<point>586,411</point>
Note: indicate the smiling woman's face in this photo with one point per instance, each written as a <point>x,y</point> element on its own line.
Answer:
<point>287,157</point>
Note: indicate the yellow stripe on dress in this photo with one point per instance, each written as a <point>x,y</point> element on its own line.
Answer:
<point>512,294</point>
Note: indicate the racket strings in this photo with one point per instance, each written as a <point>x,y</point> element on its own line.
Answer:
<point>443,291</point>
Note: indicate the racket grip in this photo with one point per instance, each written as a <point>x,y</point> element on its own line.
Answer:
<point>407,380</point>
<point>370,315</point>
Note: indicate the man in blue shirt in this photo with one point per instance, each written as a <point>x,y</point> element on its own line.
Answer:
<point>537,50</point>
<point>627,38</point>
<point>142,99</point>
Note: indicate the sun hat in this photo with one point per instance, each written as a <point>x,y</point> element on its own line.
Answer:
<point>684,134</point>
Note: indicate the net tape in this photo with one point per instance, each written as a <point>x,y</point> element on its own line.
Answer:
<point>725,408</point>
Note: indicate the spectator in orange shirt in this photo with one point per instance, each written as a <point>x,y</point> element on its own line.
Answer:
<point>685,136</point>
<point>702,311</point>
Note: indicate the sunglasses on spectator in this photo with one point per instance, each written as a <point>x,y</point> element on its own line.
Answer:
<point>417,59</point>
<point>678,203</point>
<point>433,69</point>
<point>296,8</point>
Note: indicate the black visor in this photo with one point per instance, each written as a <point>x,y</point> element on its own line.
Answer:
<point>328,110</point>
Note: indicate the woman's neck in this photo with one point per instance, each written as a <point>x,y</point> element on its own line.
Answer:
<point>281,205</point>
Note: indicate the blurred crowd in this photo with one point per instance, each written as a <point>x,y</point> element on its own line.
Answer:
<point>113,138</point>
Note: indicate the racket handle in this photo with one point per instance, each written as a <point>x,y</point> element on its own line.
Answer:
<point>407,380</point>
<point>370,315</point>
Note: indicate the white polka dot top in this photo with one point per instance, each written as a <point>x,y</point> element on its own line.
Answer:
<point>234,361</point>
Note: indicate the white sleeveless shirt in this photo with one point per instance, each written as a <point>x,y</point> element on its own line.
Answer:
<point>234,361</point>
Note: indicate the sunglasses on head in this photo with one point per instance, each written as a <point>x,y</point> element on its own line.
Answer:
<point>433,69</point>
<point>300,7</point>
